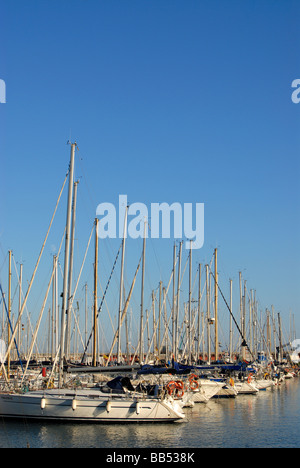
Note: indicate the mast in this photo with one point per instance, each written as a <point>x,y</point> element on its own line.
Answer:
<point>268,334</point>
<point>274,333</point>
<point>148,329</point>
<point>280,354</point>
<point>173,303</point>
<point>86,313</point>
<point>230,323</point>
<point>190,307</point>
<point>121,287</point>
<point>142,298</point>
<point>251,320</point>
<point>9,311</point>
<point>56,308</point>
<point>255,325</point>
<point>94,363</point>
<point>177,301</point>
<point>53,306</point>
<point>166,322</point>
<point>154,324</point>
<point>244,318</point>
<point>20,304</point>
<point>127,339</point>
<point>208,315</point>
<point>216,308</point>
<point>199,313</point>
<point>159,317</point>
<point>69,309</point>
<point>241,301</point>
<point>66,264</point>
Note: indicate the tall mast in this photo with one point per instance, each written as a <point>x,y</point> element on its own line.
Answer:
<point>56,309</point>
<point>177,301</point>
<point>207,314</point>
<point>53,308</point>
<point>216,308</point>
<point>148,329</point>
<point>95,327</point>
<point>154,324</point>
<point>121,287</point>
<point>173,303</point>
<point>280,356</point>
<point>199,313</point>
<point>70,299</point>
<point>255,323</point>
<point>274,333</point>
<point>230,323</point>
<point>159,317</point>
<point>251,320</point>
<point>268,351</point>
<point>86,313</point>
<point>127,339</point>
<point>241,301</point>
<point>66,263</point>
<point>190,306</point>
<point>20,304</point>
<point>9,311</point>
<point>142,298</point>
<point>244,318</point>
<point>166,322</point>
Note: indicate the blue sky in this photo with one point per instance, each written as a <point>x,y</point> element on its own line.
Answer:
<point>168,101</point>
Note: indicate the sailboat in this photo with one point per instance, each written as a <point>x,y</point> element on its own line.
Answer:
<point>97,404</point>
<point>90,405</point>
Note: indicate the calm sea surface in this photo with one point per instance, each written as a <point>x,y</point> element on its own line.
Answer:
<point>269,419</point>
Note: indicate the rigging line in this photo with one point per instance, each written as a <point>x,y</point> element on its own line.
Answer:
<point>32,278</point>
<point>72,296</point>
<point>155,328</point>
<point>4,256</point>
<point>35,334</point>
<point>155,255</point>
<point>102,300</point>
<point>244,343</point>
<point>192,327</point>
<point>76,326</point>
<point>274,326</point>
<point>18,283</point>
<point>107,245</point>
<point>22,297</point>
<point>111,322</point>
<point>124,312</point>
<point>10,325</point>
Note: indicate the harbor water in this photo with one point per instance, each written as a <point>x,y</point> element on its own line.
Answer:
<point>269,419</point>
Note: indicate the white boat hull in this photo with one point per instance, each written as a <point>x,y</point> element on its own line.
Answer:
<point>245,388</point>
<point>264,384</point>
<point>226,392</point>
<point>60,405</point>
<point>207,390</point>
<point>199,396</point>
